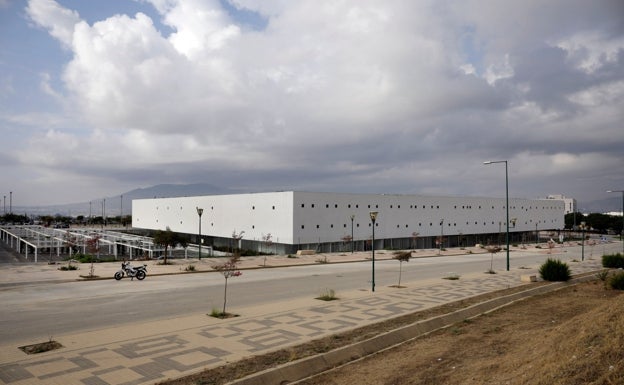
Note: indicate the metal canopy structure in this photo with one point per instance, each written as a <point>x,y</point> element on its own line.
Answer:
<point>37,241</point>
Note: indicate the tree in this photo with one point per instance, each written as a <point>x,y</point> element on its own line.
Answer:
<point>165,239</point>
<point>346,239</point>
<point>414,239</point>
<point>268,241</point>
<point>93,245</point>
<point>493,250</point>
<point>402,256</point>
<point>228,269</point>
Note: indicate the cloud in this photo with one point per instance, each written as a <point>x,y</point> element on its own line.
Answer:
<point>410,95</point>
<point>57,20</point>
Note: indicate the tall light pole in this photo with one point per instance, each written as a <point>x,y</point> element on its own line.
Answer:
<point>199,241</point>
<point>441,236</point>
<point>352,218</point>
<point>373,217</point>
<point>506,203</point>
<point>583,227</point>
<point>621,232</point>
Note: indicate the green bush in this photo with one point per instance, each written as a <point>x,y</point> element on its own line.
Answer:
<point>554,270</point>
<point>617,281</point>
<point>614,261</point>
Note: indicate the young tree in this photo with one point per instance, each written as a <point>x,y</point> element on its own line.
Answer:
<point>402,256</point>
<point>493,250</point>
<point>93,245</point>
<point>268,241</point>
<point>346,239</point>
<point>165,239</point>
<point>414,239</point>
<point>228,269</point>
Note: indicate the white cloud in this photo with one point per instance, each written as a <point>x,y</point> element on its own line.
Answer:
<point>58,20</point>
<point>332,93</point>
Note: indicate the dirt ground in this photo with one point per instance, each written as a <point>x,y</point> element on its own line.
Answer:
<point>571,336</point>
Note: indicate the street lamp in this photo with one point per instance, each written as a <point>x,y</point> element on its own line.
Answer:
<point>373,217</point>
<point>352,244</point>
<point>621,232</point>
<point>583,227</point>
<point>441,236</point>
<point>506,203</point>
<point>199,212</point>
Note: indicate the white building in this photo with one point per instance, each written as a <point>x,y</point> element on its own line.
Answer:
<point>570,203</point>
<point>322,221</point>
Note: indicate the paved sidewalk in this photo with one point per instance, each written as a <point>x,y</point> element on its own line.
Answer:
<point>149,352</point>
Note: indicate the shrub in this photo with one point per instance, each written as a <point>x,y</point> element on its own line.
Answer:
<point>554,270</point>
<point>68,267</point>
<point>615,261</point>
<point>328,295</point>
<point>190,267</point>
<point>617,281</point>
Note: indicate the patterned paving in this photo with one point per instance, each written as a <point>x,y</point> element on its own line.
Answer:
<point>176,353</point>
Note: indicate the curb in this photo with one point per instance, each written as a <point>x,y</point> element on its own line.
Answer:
<point>295,371</point>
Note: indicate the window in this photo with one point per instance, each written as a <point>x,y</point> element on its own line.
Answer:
<point>303,205</point>
<point>273,207</point>
<point>327,206</point>
<point>312,205</point>
<point>253,207</point>
<point>317,226</point>
<point>302,226</point>
<point>335,206</point>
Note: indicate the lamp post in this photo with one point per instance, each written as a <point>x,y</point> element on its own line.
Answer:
<point>441,236</point>
<point>621,232</point>
<point>199,240</point>
<point>373,217</point>
<point>352,241</point>
<point>582,226</point>
<point>506,203</point>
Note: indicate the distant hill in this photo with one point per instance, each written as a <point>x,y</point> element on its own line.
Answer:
<point>602,206</point>
<point>115,204</point>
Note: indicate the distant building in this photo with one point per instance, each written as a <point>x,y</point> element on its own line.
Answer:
<point>570,203</point>
<point>323,221</point>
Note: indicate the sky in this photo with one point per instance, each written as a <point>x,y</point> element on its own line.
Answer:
<point>100,97</point>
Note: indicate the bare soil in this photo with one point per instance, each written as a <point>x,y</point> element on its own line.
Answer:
<point>571,336</point>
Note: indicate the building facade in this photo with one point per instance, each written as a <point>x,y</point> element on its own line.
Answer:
<point>326,221</point>
<point>569,203</point>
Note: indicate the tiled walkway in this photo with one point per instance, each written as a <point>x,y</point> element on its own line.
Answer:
<point>148,353</point>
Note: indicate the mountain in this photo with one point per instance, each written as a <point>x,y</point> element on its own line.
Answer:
<point>115,205</point>
<point>606,205</point>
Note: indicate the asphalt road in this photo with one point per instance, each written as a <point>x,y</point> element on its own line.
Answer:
<point>50,309</point>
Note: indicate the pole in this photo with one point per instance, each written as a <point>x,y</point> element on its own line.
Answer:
<point>507,205</point>
<point>582,241</point>
<point>621,232</point>
<point>373,217</point>
<point>352,241</point>
<point>200,211</point>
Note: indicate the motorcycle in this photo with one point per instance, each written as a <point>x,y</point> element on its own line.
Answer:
<point>140,272</point>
